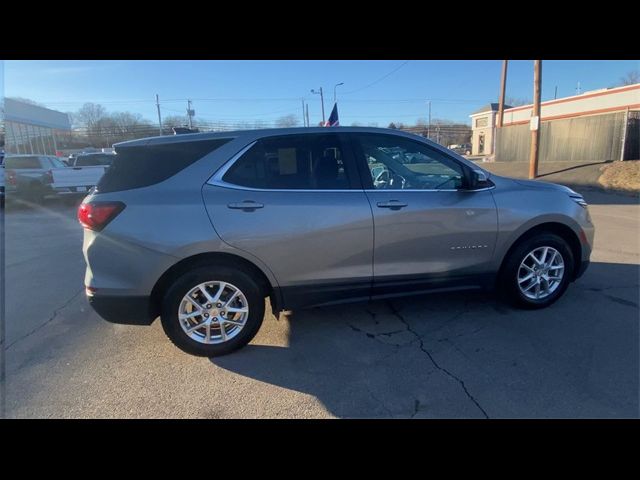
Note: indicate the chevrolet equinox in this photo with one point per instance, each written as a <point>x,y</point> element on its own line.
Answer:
<point>199,229</point>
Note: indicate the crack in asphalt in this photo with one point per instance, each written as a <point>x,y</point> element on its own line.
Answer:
<point>433,361</point>
<point>613,298</point>
<point>615,287</point>
<point>374,336</point>
<point>49,320</point>
<point>380,402</point>
<point>464,334</point>
<point>621,301</point>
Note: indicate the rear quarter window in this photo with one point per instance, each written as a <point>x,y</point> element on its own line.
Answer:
<point>22,162</point>
<point>141,166</point>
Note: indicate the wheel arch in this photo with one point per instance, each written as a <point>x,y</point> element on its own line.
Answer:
<point>212,258</point>
<point>562,230</point>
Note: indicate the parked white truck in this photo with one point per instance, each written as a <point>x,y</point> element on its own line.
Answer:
<point>37,177</point>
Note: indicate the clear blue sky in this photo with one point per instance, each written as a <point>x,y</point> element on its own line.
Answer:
<point>233,91</point>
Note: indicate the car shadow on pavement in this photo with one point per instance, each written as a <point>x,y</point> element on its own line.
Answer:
<point>463,355</point>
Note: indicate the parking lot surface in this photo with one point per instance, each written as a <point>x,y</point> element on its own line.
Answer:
<point>456,355</point>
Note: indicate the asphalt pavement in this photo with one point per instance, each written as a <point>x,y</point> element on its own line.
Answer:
<point>456,355</point>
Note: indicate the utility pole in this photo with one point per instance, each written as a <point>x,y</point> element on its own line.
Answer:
<point>503,85</point>
<point>304,124</point>
<point>307,113</point>
<point>322,103</point>
<point>535,119</point>
<point>555,94</point>
<point>429,127</point>
<point>190,114</point>
<point>159,117</point>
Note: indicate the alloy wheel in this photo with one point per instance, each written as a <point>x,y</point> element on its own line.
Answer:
<point>540,273</point>
<point>213,312</point>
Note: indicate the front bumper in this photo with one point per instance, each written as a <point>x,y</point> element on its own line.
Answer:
<point>123,310</point>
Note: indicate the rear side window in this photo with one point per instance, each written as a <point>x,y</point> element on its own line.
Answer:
<point>292,162</point>
<point>141,166</point>
<point>92,160</point>
<point>22,162</point>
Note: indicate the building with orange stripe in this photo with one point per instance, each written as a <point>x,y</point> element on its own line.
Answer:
<point>606,101</point>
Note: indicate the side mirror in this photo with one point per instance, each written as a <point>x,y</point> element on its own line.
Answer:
<point>478,179</point>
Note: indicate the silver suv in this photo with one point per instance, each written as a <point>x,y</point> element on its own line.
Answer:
<point>199,228</point>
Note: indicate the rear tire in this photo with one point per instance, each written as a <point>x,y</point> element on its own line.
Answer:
<point>522,278</point>
<point>212,277</point>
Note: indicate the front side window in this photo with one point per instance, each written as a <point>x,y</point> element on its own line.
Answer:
<point>292,162</point>
<point>397,163</point>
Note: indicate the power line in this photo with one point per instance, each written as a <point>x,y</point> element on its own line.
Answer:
<point>379,80</point>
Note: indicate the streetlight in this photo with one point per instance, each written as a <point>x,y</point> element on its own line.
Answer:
<point>321,101</point>
<point>334,91</point>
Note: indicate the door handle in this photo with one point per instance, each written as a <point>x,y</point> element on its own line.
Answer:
<point>247,205</point>
<point>392,204</point>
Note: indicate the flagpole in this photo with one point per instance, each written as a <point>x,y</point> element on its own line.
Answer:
<point>334,92</point>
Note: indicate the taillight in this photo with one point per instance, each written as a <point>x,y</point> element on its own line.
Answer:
<point>11,177</point>
<point>48,177</point>
<point>96,215</point>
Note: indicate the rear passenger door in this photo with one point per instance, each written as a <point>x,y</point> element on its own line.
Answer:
<point>296,203</point>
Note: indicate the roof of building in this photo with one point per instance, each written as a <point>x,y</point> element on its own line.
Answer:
<point>21,112</point>
<point>490,107</point>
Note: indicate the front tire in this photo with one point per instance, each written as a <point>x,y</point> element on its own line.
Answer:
<point>212,310</point>
<point>537,272</point>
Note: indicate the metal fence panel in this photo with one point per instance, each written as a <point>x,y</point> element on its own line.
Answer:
<point>596,138</point>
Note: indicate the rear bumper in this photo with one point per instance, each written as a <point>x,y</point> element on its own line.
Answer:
<point>123,310</point>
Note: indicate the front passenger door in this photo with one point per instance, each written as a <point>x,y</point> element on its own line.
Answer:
<point>429,230</point>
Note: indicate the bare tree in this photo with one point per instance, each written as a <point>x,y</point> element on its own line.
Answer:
<point>175,121</point>
<point>392,125</point>
<point>290,120</point>
<point>631,78</point>
<point>127,121</point>
<point>89,115</point>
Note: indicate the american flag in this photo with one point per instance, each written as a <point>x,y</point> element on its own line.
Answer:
<point>333,118</point>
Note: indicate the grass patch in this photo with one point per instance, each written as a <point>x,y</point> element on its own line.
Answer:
<point>624,176</point>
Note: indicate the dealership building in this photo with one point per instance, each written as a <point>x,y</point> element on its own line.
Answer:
<point>31,129</point>
<point>600,125</point>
